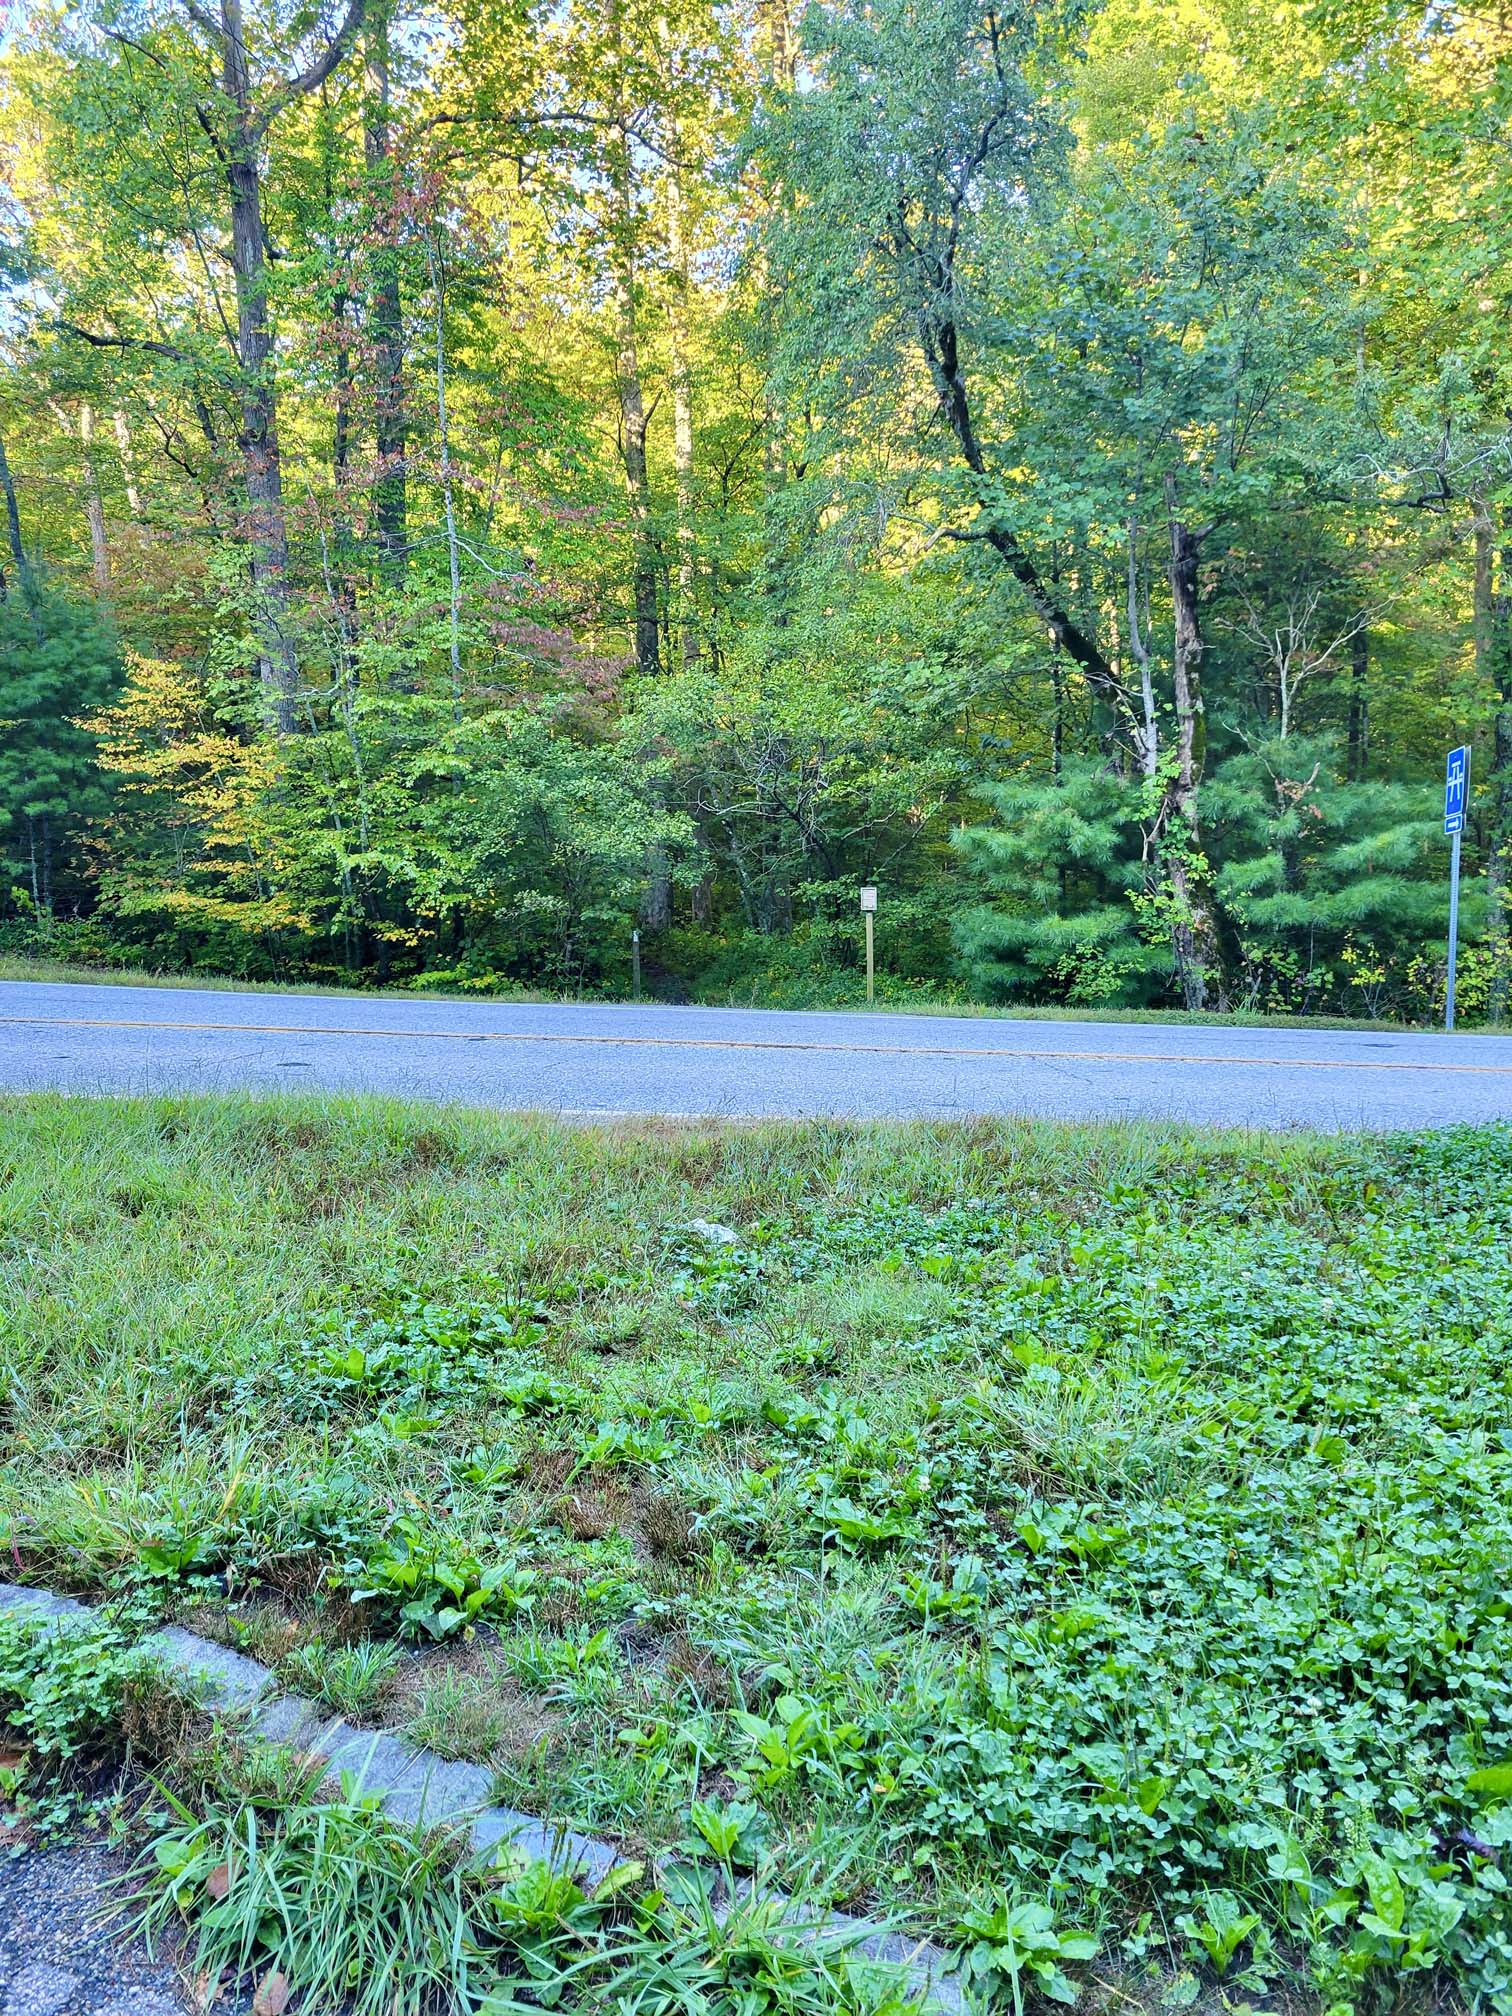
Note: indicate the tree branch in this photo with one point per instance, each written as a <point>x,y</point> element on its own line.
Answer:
<point>169,350</point>
<point>314,76</point>
<point>937,335</point>
<point>99,342</point>
<point>202,18</point>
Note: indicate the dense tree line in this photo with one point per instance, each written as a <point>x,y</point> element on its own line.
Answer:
<point>481,479</point>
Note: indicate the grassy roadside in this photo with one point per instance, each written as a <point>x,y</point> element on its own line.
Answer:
<point>1105,1521</point>
<point>16,967</point>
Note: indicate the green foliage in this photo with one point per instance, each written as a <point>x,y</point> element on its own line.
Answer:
<point>1015,1945</point>
<point>1137,1531</point>
<point>1060,863</point>
<point>435,1583</point>
<point>1330,885</point>
<point>676,549</point>
<point>1327,889</point>
<point>413,1353</point>
<point>577,1670</point>
<point>460,1716</point>
<point>349,1678</point>
<point>345,1905</point>
<point>734,1835</point>
<point>60,1687</point>
<point>333,1901</point>
<point>1219,1928</point>
<point>58,664</point>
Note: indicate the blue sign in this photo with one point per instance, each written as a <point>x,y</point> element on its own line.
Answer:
<point>1456,790</point>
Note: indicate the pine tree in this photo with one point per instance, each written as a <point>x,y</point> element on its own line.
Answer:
<point>58,662</point>
<point>1059,866</point>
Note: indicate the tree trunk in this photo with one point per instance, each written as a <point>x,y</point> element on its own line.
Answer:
<point>39,851</point>
<point>262,471</point>
<point>1193,939</point>
<point>682,413</point>
<point>341,433</point>
<point>775,540</point>
<point>94,509</point>
<point>128,469</point>
<point>637,484</point>
<point>621,242</point>
<point>1147,731</point>
<point>781,44</point>
<point>1357,734</point>
<point>386,318</point>
<point>656,900</point>
<point>338,566</point>
<point>656,896</point>
<point>12,521</point>
<point>781,60</point>
<point>940,341</point>
<point>443,440</point>
<point>1493,664</point>
<point>341,581</point>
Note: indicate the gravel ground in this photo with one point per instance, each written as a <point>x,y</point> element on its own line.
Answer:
<point>57,1958</point>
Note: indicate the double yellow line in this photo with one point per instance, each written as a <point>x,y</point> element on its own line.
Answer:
<point>766,1043</point>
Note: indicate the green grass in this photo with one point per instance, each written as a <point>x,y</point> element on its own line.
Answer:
<point>905,1001</point>
<point>355,1912</point>
<point>349,1678</point>
<point>1112,1520</point>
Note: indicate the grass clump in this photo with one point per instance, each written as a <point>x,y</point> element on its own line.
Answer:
<point>350,1909</point>
<point>1120,1508</point>
<point>352,1679</point>
<point>458,1715</point>
<point>331,1901</point>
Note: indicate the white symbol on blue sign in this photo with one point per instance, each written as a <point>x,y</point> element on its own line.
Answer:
<point>1456,789</point>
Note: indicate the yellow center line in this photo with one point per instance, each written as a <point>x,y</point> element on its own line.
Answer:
<point>762,1043</point>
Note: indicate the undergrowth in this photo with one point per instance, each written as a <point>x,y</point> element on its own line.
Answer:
<point>1059,1537</point>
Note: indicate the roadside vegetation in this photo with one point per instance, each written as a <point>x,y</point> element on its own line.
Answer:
<point>1087,1546</point>
<point>600,467</point>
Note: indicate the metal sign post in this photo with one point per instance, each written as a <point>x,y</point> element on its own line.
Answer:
<point>869,911</point>
<point>1456,797</point>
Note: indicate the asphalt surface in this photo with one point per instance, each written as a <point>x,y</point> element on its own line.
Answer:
<point>593,1061</point>
<point>63,1949</point>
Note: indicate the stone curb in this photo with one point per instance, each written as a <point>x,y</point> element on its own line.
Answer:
<point>417,1786</point>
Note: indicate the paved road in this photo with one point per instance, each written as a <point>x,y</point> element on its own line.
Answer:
<point>596,1060</point>
<point>62,1950</point>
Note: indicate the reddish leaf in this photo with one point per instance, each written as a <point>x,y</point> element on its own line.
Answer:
<point>272,1997</point>
<point>218,1882</point>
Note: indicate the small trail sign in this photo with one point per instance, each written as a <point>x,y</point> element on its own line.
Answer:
<point>1456,799</point>
<point>1456,790</point>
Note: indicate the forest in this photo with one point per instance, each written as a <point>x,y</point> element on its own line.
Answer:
<point>483,478</point>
